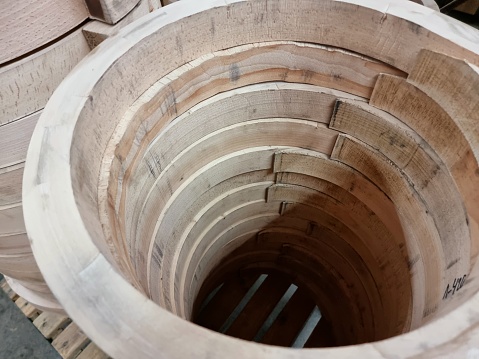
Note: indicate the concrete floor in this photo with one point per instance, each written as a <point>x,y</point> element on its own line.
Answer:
<point>18,336</point>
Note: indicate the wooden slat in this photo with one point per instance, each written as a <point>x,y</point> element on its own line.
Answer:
<point>291,319</point>
<point>6,288</point>
<point>70,342</point>
<point>29,310</point>
<point>92,352</point>
<point>259,307</point>
<point>26,25</point>
<point>51,324</point>
<point>11,219</point>
<point>225,301</point>
<point>322,335</point>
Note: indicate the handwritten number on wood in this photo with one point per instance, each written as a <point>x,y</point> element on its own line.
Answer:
<point>456,285</point>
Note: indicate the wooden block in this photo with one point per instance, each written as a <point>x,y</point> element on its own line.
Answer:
<point>14,139</point>
<point>70,342</point>
<point>110,11</point>
<point>27,25</point>
<point>29,310</point>
<point>26,85</point>
<point>92,352</point>
<point>6,288</point>
<point>51,324</point>
<point>96,31</point>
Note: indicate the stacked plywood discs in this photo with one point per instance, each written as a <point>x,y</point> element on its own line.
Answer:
<point>332,141</point>
<point>40,42</point>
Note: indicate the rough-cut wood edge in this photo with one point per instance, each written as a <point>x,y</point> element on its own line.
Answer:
<point>29,24</point>
<point>145,317</point>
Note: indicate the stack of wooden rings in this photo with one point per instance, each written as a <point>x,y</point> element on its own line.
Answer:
<point>336,141</point>
<point>40,43</point>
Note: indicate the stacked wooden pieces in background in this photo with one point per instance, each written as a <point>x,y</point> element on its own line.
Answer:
<point>40,43</point>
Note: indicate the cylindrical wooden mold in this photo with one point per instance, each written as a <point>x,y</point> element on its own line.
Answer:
<point>332,142</point>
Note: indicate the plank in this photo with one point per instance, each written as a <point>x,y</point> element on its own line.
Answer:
<point>250,320</point>
<point>70,341</point>
<point>96,31</point>
<point>7,289</point>
<point>26,85</point>
<point>322,335</point>
<point>214,315</point>
<point>291,320</point>
<point>28,25</point>
<point>14,139</point>
<point>29,310</point>
<point>51,324</point>
<point>92,351</point>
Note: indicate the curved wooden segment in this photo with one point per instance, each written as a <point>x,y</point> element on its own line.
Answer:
<point>28,25</point>
<point>27,85</point>
<point>431,122</point>
<point>444,77</point>
<point>248,160</point>
<point>419,226</point>
<point>422,168</point>
<point>166,176</point>
<point>317,165</point>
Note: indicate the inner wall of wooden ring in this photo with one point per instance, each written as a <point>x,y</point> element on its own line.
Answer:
<point>272,158</point>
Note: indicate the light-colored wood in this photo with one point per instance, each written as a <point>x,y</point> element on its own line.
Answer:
<point>96,31</point>
<point>70,342</point>
<point>27,25</point>
<point>29,310</point>
<point>26,85</point>
<point>14,139</point>
<point>11,184</point>
<point>92,352</point>
<point>110,111</point>
<point>51,324</point>
<point>11,219</point>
